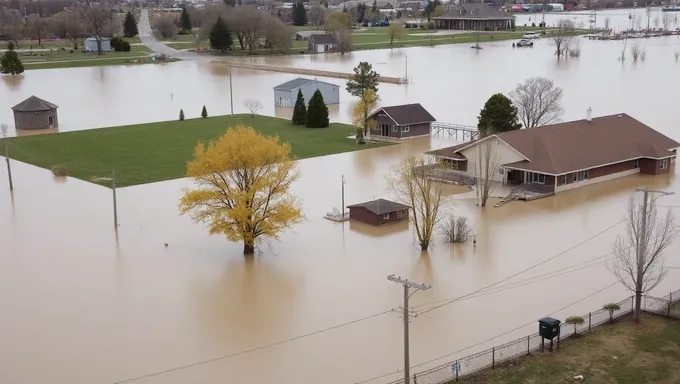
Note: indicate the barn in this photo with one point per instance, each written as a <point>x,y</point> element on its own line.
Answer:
<point>285,94</point>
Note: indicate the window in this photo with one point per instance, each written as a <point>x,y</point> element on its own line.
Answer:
<point>386,216</point>
<point>636,163</point>
<point>395,129</point>
<point>537,177</point>
<point>574,178</point>
<point>405,128</point>
<point>585,174</point>
<point>501,171</point>
<point>663,164</point>
<point>563,180</point>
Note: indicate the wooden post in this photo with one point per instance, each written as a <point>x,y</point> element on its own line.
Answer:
<point>670,303</point>
<point>457,369</point>
<point>590,320</point>
<point>115,205</point>
<point>493,358</point>
<point>9,169</point>
<point>528,345</point>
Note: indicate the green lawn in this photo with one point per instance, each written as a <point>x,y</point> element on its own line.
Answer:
<point>99,62</point>
<point>151,152</point>
<point>623,353</point>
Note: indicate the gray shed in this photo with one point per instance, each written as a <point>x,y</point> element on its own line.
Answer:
<point>285,94</point>
<point>35,113</point>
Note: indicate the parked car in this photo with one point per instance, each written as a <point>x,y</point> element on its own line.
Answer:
<point>525,43</point>
<point>532,35</point>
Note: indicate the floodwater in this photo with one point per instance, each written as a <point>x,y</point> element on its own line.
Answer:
<point>80,304</point>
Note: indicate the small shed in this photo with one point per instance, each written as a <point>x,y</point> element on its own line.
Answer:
<point>91,44</point>
<point>378,212</point>
<point>35,113</point>
<point>322,43</point>
<point>285,94</point>
<point>402,121</point>
<point>305,35</point>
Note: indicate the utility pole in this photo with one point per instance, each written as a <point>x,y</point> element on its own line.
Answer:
<point>406,317</point>
<point>642,241</point>
<point>115,205</point>
<point>231,91</point>
<point>3,128</point>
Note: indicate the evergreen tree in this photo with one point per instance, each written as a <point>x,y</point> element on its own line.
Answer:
<point>220,37</point>
<point>317,113</point>
<point>130,26</point>
<point>498,115</point>
<point>185,21</point>
<point>204,112</point>
<point>10,63</point>
<point>181,115</point>
<point>300,110</point>
<point>364,78</point>
<point>299,14</point>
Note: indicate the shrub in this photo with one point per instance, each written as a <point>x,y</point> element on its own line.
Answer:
<point>360,136</point>
<point>456,229</point>
<point>59,170</point>
<point>117,44</point>
<point>204,112</point>
<point>125,47</point>
<point>575,321</point>
<point>611,307</point>
<point>181,115</point>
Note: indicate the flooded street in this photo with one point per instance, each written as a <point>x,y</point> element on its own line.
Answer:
<point>80,304</point>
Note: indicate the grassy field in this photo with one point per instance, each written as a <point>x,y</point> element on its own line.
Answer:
<point>57,44</point>
<point>146,153</point>
<point>96,62</point>
<point>623,353</point>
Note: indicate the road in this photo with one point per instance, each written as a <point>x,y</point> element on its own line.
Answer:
<point>147,38</point>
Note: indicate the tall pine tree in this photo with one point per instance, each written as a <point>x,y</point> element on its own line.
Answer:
<point>498,115</point>
<point>130,26</point>
<point>10,63</point>
<point>317,113</point>
<point>220,37</point>
<point>364,78</point>
<point>300,110</point>
<point>185,21</point>
<point>299,14</point>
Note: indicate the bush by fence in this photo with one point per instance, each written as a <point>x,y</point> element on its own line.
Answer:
<point>668,305</point>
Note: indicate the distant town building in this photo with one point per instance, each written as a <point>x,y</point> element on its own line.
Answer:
<point>285,94</point>
<point>91,45</point>
<point>402,121</point>
<point>570,155</point>
<point>378,212</point>
<point>475,17</point>
<point>322,43</point>
<point>35,113</point>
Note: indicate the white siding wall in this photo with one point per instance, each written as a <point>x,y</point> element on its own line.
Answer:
<point>330,92</point>
<point>504,154</point>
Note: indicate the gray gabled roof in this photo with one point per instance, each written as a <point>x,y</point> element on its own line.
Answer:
<point>34,104</point>
<point>298,83</point>
<point>407,114</point>
<point>381,206</point>
<point>323,39</point>
<point>474,11</point>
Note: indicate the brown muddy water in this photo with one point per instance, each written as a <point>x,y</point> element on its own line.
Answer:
<point>80,304</point>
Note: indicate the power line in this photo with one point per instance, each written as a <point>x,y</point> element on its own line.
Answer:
<point>249,350</point>
<point>490,339</point>
<point>453,300</point>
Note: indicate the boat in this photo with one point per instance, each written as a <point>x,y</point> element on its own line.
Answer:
<point>671,8</point>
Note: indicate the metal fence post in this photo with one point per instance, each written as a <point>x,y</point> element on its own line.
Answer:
<point>414,379</point>
<point>528,345</point>
<point>590,320</point>
<point>493,358</point>
<point>632,303</point>
<point>670,303</point>
<point>457,369</point>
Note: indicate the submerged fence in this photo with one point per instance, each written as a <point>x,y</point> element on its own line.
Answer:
<point>452,371</point>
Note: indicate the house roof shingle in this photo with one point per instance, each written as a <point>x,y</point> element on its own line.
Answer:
<point>407,114</point>
<point>577,145</point>
<point>474,11</point>
<point>34,104</point>
<point>381,206</point>
<point>323,39</point>
<point>297,83</point>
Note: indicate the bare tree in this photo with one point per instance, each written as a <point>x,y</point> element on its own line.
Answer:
<point>606,23</point>
<point>278,35</point>
<point>409,182</point>
<point>635,51</point>
<point>486,167</point>
<point>253,106</point>
<point>666,20</point>
<point>339,24</point>
<point>656,22</point>
<point>563,36</point>
<point>345,41</point>
<point>96,19</point>
<point>638,256</point>
<point>537,101</point>
<point>66,26</point>
<point>456,229</point>
<point>637,22</point>
<point>165,25</point>
<point>37,26</point>
<point>395,31</point>
<point>317,15</point>
<point>254,22</point>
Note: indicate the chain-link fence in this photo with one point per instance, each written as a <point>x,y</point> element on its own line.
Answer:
<point>668,305</point>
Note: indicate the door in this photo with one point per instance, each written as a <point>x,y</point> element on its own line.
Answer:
<point>51,120</point>
<point>384,130</point>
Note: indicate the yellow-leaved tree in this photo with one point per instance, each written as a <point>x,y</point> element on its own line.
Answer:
<point>243,181</point>
<point>363,108</point>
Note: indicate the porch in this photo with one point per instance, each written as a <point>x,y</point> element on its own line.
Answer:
<point>517,177</point>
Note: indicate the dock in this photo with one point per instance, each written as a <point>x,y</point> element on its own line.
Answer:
<point>306,71</point>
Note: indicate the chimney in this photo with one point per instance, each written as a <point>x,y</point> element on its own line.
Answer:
<point>589,114</point>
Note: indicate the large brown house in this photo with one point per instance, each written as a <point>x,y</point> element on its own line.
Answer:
<point>475,16</point>
<point>378,212</point>
<point>402,121</point>
<point>568,155</point>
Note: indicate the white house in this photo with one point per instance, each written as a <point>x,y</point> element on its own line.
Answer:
<point>91,45</point>
<point>285,94</point>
